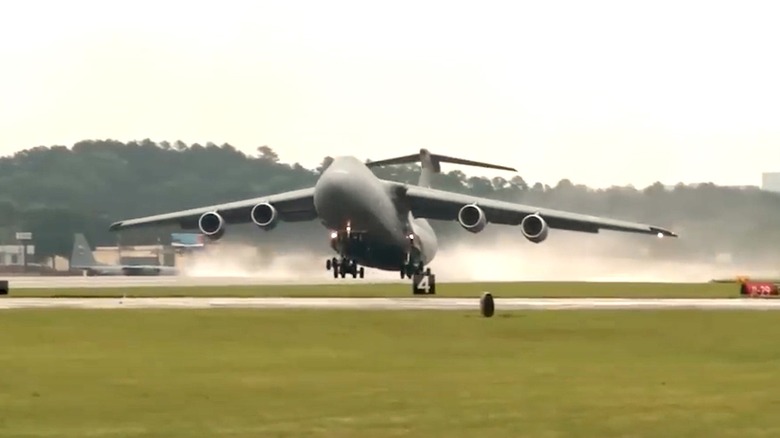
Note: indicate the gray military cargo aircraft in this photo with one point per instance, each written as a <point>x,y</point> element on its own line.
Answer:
<point>82,259</point>
<point>384,224</point>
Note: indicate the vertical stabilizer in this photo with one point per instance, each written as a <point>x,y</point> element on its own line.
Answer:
<point>82,255</point>
<point>430,166</point>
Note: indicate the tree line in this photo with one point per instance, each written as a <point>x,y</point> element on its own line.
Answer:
<point>56,191</point>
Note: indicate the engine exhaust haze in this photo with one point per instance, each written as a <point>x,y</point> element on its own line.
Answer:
<point>493,255</point>
<point>570,256</point>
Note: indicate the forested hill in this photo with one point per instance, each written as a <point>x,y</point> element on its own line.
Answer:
<point>56,191</point>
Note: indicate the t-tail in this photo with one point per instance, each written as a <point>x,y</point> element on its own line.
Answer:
<point>82,255</point>
<point>430,164</point>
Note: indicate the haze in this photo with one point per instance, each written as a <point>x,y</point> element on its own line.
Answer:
<point>504,255</point>
<point>603,93</point>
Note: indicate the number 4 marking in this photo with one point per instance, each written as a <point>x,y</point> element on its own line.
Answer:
<point>423,284</point>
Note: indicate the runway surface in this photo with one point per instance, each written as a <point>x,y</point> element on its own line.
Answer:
<point>431,303</point>
<point>76,282</point>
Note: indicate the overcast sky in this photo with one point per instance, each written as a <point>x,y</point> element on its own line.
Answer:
<point>600,92</point>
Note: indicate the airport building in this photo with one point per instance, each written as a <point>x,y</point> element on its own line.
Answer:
<point>13,255</point>
<point>181,245</point>
<point>770,181</point>
<point>172,253</point>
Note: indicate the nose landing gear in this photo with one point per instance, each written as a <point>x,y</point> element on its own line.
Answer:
<point>346,242</point>
<point>343,266</point>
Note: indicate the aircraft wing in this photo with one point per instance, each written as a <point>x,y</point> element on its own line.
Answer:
<point>293,206</point>
<point>442,205</point>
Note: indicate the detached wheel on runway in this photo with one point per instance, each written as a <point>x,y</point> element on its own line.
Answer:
<point>486,305</point>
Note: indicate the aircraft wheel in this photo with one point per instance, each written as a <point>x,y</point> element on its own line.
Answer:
<point>428,271</point>
<point>335,272</point>
<point>362,271</point>
<point>328,264</point>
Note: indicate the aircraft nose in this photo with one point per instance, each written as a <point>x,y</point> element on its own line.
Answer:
<point>332,189</point>
<point>333,183</point>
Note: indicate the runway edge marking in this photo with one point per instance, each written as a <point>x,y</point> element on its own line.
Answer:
<point>401,303</point>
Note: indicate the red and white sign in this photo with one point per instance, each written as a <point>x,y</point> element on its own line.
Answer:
<point>755,289</point>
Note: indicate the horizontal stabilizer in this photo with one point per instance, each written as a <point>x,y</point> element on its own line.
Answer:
<point>435,159</point>
<point>430,164</point>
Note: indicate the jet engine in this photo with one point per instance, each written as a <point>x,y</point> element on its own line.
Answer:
<point>211,225</point>
<point>472,218</point>
<point>264,215</point>
<point>534,228</point>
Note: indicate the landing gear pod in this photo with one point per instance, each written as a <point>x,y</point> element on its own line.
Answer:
<point>756,289</point>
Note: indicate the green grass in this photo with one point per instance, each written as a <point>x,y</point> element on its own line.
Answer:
<point>306,373</point>
<point>528,289</point>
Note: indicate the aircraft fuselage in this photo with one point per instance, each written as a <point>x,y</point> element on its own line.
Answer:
<point>109,270</point>
<point>368,224</point>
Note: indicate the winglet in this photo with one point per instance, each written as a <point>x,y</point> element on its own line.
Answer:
<point>663,232</point>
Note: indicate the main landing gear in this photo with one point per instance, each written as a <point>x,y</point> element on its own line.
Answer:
<point>344,266</point>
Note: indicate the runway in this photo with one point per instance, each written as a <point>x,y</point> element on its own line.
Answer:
<point>77,282</point>
<point>429,303</point>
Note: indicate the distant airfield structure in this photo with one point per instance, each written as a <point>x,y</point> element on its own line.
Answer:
<point>13,260</point>
<point>181,245</point>
<point>770,181</point>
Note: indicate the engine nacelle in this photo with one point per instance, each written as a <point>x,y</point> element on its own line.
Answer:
<point>472,218</point>
<point>211,225</point>
<point>534,228</point>
<point>264,215</point>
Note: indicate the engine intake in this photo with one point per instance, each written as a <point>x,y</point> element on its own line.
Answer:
<point>264,215</point>
<point>472,218</point>
<point>534,228</point>
<point>211,225</point>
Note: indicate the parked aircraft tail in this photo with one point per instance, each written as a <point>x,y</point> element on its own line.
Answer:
<point>82,255</point>
<point>430,164</point>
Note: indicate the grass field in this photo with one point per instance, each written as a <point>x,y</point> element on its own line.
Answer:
<point>307,373</point>
<point>529,289</point>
